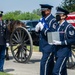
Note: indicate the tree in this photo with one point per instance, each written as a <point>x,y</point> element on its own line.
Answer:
<point>37,12</point>
<point>69,5</point>
<point>9,15</point>
<point>18,15</point>
<point>17,12</point>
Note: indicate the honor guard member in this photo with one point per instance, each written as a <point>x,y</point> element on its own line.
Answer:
<point>2,41</point>
<point>46,24</point>
<point>67,37</point>
<point>7,40</point>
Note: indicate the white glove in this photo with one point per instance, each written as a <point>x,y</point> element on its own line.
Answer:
<point>51,43</point>
<point>39,26</point>
<point>7,44</point>
<point>56,42</point>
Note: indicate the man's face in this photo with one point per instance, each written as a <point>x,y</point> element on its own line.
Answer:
<point>45,13</point>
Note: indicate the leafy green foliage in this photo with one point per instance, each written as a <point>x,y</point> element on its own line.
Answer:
<point>18,15</point>
<point>37,11</point>
<point>69,5</point>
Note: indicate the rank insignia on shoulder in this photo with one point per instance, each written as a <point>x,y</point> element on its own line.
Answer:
<point>71,32</point>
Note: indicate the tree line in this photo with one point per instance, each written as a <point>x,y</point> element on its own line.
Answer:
<point>18,15</point>
<point>36,14</point>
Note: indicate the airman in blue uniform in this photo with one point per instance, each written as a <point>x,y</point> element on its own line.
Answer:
<point>63,47</point>
<point>2,41</point>
<point>46,24</point>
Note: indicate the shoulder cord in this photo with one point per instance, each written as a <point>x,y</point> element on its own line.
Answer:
<point>51,22</point>
<point>49,25</point>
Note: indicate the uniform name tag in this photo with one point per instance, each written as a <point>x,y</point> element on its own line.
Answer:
<point>53,36</point>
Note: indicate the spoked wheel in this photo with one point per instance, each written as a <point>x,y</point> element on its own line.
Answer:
<point>71,60</point>
<point>21,45</point>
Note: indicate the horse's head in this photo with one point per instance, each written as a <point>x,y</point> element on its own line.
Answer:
<point>12,25</point>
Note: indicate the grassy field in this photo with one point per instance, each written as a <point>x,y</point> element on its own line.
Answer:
<point>35,48</point>
<point>3,73</point>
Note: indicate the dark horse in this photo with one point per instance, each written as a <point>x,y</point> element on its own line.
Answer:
<point>11,26</point>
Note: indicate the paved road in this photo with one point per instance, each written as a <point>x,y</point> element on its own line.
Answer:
<point>31,68</point>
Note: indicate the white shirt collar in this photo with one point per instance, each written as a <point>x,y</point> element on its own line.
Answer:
<point>60,25</point>
<point>62,22</point>
<point>47,16</point>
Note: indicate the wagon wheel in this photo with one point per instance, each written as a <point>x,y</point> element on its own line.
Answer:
<point>71,60</point>
<point>21,45</point>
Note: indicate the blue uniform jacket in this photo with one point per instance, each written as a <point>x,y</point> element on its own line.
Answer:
<point>51,27</point>
<point>67,37</point>
<point>2,33</point>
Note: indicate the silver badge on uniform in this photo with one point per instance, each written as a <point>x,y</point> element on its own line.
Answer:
<point>4,26</point>
<point>71,32</point>
<point>54,25</point>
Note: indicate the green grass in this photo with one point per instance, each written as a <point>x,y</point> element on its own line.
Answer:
<point>35,48</point>
<point>3,73</point>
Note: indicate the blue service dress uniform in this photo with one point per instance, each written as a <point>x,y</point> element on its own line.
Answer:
<point>67,37</point>
<point>2,44</point>
<point>47,61</point>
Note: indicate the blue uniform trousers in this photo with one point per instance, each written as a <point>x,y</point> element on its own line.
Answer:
<point>62,56</point>
<point>60,66</point>
<point>2,56</point>
<point>47,63</point>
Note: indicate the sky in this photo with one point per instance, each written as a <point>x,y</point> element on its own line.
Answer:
<point>26,5</point>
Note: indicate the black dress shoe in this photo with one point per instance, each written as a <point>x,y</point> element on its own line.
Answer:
<point>7,58</point>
